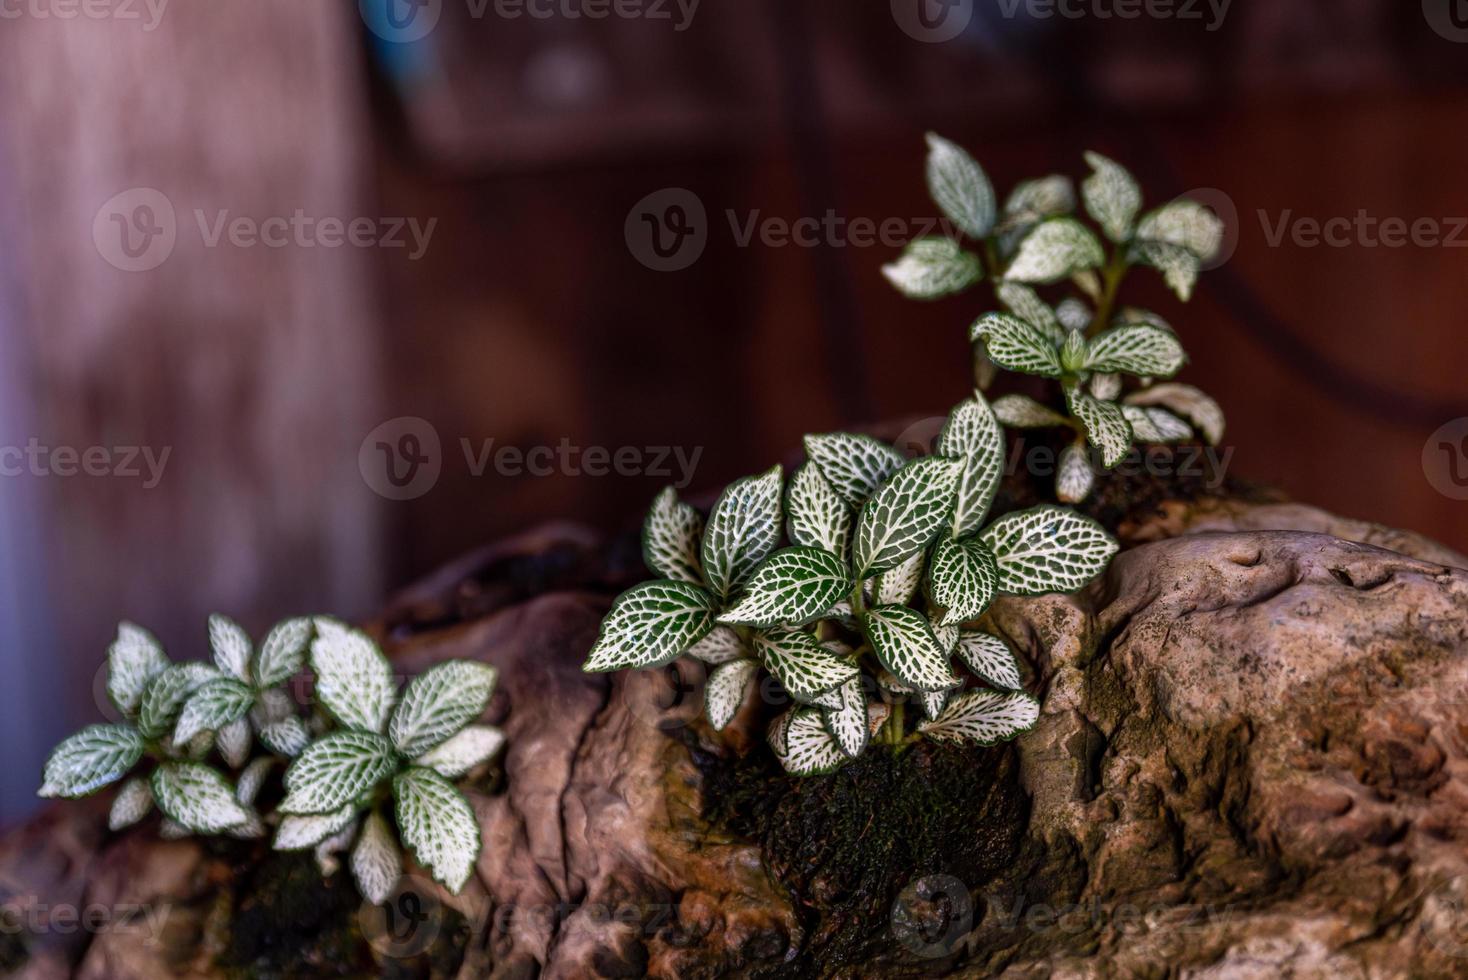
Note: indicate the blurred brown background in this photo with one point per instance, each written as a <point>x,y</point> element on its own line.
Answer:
<point>519,138</point>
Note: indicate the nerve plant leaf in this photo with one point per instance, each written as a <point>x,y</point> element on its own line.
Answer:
<point>213,706</point>
<point>133,802</point>
<point>650,625</point>
<point>336,770</point>
<point>283,653</point>
<point>439,702</point>
<point>286,737</point>
<point>719,647</point>
<point>725,691</point>
<point>904,643</point>
<point>1054,250</point>
<point>1106,427</point>
<point>1074,478</point>
<point>1027,305</point>
<point>931,268</point>
<point>472,746</point>
<point>742,530</point>
<point>817,516</point>
<point>133,660</point>
<point>854,465</point>
<point>906,514</point>
<point>301,833</point>
<point>848,723</point>
<point>990,659</point>
<point>983,718</point>
<point>1023,412</point>
<point>197,798</point>
<point>1112,197</point>
<point>353,679</point>
<point>962,578</point>
<point>438,824</point>
<point>1155,425</point>
<point>1016,345</point>
<point>1047,549</point>
<point>1138,350</point>
<point>897,586</point>
<point>1188,402</point>
<point>792,587</point>
<point>166,694</point>
<point>1186,224</point>
<point>231,645</point>
<point>972,434</point>
<point>1179,267</point>
<point>801,664</point>
<point>377,861</point>
<point>960,187</point>
<point>670,539</point>
<point>809,748</point>
<point>90,759</point>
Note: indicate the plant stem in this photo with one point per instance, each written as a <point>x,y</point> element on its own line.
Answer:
<point>1114,274</point>
<point>895,724</point>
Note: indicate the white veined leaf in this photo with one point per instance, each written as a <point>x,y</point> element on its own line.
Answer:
<point>801,664</point>
<point>725,691</point>
<point>1047,549</point>
<point>960,187</point>
<point>1073,314</point>
<point>906,514</point>
<point>133,659</point>
<point>166,694</point>
<point>854,465</point>
<point>947,636</point>
<point>903,641</point>
<point>439,702</point>
<point>336,770</point>
<point>1187,401</point>
<point>287,737</point>
<point>778,732</point>
<point>1074,478</point>
<point>252,828</point>
<point>90,759</point>
<point>1073,353</point>
<point>438,824</point>
<point>283,653</point>
<point>791,587</point>
<point>848,723</point>
<point>1106,387</point>
<point>353,679</point>
<point>195,748</point>
<point>1186,224</point>
<point>816,514</point>
<point>1026,304</point>
<point>650,625</point>
<point>990,659</point>
<point>197,797</point>
<point>473,746</point>
<point>670,539</point>
<point>1014,344</point>
<point>377,861</point>
<point>234,741</point>
<point>830,700</point>
<point>231,646</point>
<point>743,529</point>
<point>1055,249</point>
<point>303,832</point>
<point>273,704</point>
<point>1023,412</point>
<point>213,706</point>
<point>897,586</point>
<point>248,786</point>
<point>809,748</point>
<point>1112,197</point>
<point>1106,427</point>
<point>841,613</point>
<point>326,852</point>
<point>719,647</point>
<point>1156,425</point>
<point>877,715</point>
<point>1135,316</point>
<point>1138,350</point>
<point>131,804</point>
<point>983,718</point>
<point>1043,197</point>
<point>1179,267</point>
<point>972,434</point>
<point>933,702</point>
<point>930,268</point>
<point>962,578</point>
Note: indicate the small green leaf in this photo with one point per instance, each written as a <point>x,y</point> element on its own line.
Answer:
<point>1057,248</point>
<point>353,679</point>
<point>719,647</point>
<point>1106,387</point>
<point>1187,401</point>
<point>725,691</point>
<point>1112,197</point>
<point>302,833</point>
<point>287,737</point>
<point>1179,267</point>
<point>92,758</point>
<point>906,514</point>
<point>1106,427</point>
<point>1026,304</point>
<point>1186,224</point>
<point>947,637</point>
<point>474,745</point>
<point>1034,200</point>
<point>816,514</point>
<point>336,770</point>
<point>743,529</point>
<point>250,782</point>
<point>133,802</point>
<point>231,646</point>
<point>213,706</point>
<point>904,642</point>
<point>1137,350</point>
<point>1023,412</point>
<point>1074,478</point>
<point>961,579</point>
<point>377,861</point>
<point>792,587</point>
<point>1016,345</point>
<point>854,465</point>
<point>1156,425</point>
<point>806,669</point>
<point>670,539</point>
<point>197,798</point>
<point>1074,314</point>
<point>960,187</point>
<point>931,268</point>
<point>166,693</point>
<point>933,702</point>
<point>990,659</point>
<point>848,723</point>
<point>1047,549</point>
<point>897,586</point>
<point>983,718</point>
<point>650,625</point>
<point>809,748</point>
<point>438,824</point>
<point>972,434</point>
<point>439,702</point>
<point>134,659</point>
<point>778,732</point>
<point>283,654</point>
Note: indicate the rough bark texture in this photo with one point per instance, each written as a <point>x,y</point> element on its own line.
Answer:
<point>1252,762</point>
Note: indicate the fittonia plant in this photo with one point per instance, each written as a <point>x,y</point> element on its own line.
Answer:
<point>1087,341</point>
<point>369,768</point>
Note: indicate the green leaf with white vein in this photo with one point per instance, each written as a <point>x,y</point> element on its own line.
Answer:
<point>283,653</point>
<point>983,718</point>
<point>960,187</point>
<point>778,732</point>
<point>1138,350</point>
<point>931,268</point>
<point>1014,344</point>
<point>438,824</point>
<point>650,625</point>
<point>212,707</point>
<point>1112,197</point>
<point>1188,402</point>
<point>906,514</point>
<point>670,539</point>
<point>947,636</point>
<point>848,723</point>
<point>353,679</point>
<point>1186,224</point>
<point>1179,267</point>
<point>336,770</point>
<point>301,833</point>
<point>92,758</point>
<point>1047,549</point>
<point>473,746</point>
<point>792,587</point>
<point>133,802</point>
<point>1155,425</point>
<point>972,434</point>
<point>439,702</point>
<point>166,694</point>
<point>743,529</point>
<point>854,465</point>
<point>133,659</point>
<point>1023,412</point>
<point>1054,250</point>
<point>719,647</point>
<point>1074,478</point>
<point>1106,427</point>
<point>816,514</point>
<point>725,691</point>
<point>806,669</point>
<point>1026,304</point>
<point>231,645</point>
<point>197,797</point>
<point>990,659</point>
<point>933,702</point>
<point>962,578</point>
<point>1044,197</point>
<point>287,737</point>
<point>809,748</point>
<point>377,861</point>
<point>897,586</point>
<point>904,643</point>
